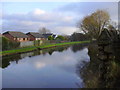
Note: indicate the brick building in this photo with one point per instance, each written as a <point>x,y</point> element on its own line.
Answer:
<point>35,36</point>
<point>16,36</point>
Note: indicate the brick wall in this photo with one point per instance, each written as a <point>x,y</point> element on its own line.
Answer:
<point>9,36</point>
<point>31,37</point>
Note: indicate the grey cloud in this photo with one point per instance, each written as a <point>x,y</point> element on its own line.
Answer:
<point>56,21</point>
<point>86,8</point>
<point>32,22</point>
<point>46,17</point>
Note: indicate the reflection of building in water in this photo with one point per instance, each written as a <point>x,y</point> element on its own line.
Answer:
<point>23,55</point>
<point>41,52</point>
<point>16,57</point>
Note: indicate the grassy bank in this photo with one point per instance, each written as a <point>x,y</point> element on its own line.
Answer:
<point>32,48</point>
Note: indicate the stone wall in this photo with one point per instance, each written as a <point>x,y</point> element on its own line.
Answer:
<point>27,43</point>
<point>31,43</point>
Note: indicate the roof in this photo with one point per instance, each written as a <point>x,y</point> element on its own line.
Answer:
<point>16,34</point>
<point>47,35</point>
<point>36,35</point>
<point>105,34</point>
<point>104,38</point>
<point>54,36</point>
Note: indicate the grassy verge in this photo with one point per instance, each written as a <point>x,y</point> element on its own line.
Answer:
<point>27,49</point>
<point>60,44</point>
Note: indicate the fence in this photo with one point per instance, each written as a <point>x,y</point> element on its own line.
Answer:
<point>27,43</point>
<point>38,42</point>
<point>31,43</point>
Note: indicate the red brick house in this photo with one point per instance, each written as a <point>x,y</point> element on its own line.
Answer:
<point>35,36</point>
<point>16,36</point>
<point>0,35</point>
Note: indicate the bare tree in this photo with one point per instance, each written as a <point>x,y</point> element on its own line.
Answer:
<point>43,30</point>
<point>94,23</point>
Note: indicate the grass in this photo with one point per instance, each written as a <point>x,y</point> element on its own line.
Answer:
<point>59,44</point>
<point>27,49</point>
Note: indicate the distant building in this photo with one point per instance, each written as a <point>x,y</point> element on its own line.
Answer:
<point>78,37</point>
<point>49,34</point>
<point>35,36</point>
<point>16,36</point>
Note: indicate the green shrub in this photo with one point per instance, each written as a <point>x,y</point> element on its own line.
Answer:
<point>50,38</point>
<point>8,44</point>
<point>59,37</point>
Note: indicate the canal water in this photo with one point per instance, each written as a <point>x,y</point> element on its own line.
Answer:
<point>52,68</point>
<point>75,66</point>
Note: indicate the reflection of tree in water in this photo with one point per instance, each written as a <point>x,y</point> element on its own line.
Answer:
<point>7,59</point>
<point>78,47</point>
<point>103,70</point>
<point>16,57</point>
<point>59,49</point>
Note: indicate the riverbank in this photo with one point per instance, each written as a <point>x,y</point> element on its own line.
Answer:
<point>32,48</point>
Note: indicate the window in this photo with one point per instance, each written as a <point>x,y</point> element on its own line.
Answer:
<point>14,38</point>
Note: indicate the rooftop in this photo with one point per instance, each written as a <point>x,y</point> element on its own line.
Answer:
<point>48,34</point>
<point>36,35</point>
<point>16,34</point>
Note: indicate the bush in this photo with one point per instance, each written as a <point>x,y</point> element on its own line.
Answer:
<point>50,38</point>
<point>79,37</point>
<point>59,37</point>
<point>8,44</point>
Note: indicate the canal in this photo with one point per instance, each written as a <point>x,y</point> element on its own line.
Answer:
<point>75,66</point>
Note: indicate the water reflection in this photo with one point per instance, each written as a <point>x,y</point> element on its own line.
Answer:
<point>103,70</point>
<point>16,57</point>
<point>77,66</point>
<point>78,47</point>
<point>53,68</point>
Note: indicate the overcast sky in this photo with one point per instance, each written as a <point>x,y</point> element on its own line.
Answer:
<point>59,17</point>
